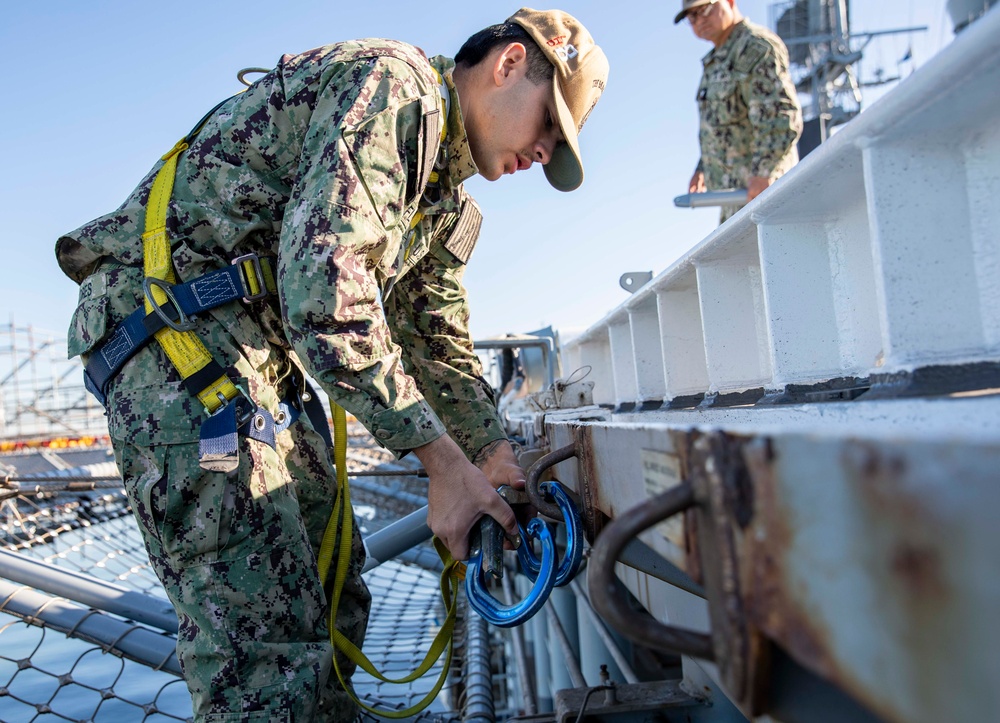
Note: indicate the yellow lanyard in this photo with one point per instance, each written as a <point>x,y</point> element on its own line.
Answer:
<point>343,517</point>
<point>451,579</point>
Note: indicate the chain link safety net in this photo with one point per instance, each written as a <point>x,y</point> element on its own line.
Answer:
<point>63,660</point>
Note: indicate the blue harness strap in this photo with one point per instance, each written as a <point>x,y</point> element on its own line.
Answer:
<point>217,447</point>
<point>186,300</point>
<point>249,278</point>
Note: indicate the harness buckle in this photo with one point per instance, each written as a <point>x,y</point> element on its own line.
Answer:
<point>243,415</point>
<point>183,323</point>
<point>254,261</point>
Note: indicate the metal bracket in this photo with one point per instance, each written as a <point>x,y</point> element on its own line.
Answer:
<point>635,280</point>
<point>532,481</point>
<point>639,627</point>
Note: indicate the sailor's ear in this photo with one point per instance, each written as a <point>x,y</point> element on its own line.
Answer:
<point>509,63</point>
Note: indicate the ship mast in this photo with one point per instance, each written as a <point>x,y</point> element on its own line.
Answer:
<point>824,54</point>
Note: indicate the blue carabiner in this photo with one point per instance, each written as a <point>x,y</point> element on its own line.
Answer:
<point>574,539</point>
<point>507,616</point>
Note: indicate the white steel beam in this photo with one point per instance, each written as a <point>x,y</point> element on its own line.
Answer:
<point>877,255</point>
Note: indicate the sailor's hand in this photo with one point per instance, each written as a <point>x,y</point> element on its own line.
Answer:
<point>756,186</point>
<point>458,494</point>
<point>499,463</point>
<point>697,183</point>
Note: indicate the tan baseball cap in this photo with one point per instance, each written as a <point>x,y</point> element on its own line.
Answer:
<point>580,77</point>
<point>687,5</point>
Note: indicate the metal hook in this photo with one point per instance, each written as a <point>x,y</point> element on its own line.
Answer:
<point>243,73</point>
<point>507,616</point>
<point>642,628</point>
<point>531,484</point>
<point>570,565</point>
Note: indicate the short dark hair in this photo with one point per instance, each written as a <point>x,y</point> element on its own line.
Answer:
<point>477,47</point>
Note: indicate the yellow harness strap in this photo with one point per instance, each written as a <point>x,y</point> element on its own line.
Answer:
<point>184,349</point>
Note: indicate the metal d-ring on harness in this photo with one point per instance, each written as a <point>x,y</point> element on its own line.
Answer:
<point>544,572</point>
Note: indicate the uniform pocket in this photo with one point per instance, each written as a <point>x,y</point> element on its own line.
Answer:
<point>196,509</point>
<point>182,507</point>
<point>722,104</point>
<point>90,319</point>
<point>147,415</point>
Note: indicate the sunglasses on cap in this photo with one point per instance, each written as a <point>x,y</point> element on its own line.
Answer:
<point>701,12</point>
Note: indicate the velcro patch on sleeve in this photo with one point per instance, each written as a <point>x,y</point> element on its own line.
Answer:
<point>428,143</point>
<point>463,237</point>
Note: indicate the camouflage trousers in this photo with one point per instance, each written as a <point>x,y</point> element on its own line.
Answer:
<point>237,554</point>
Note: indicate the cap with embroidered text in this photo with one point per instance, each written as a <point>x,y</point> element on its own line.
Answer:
<point>581,72</point>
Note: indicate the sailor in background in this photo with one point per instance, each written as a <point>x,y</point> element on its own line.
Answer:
<point>750,118</point>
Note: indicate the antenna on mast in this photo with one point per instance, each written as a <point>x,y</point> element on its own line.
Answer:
<point>824,54</point>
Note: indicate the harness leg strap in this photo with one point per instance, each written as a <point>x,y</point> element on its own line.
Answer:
<point>218,446</point>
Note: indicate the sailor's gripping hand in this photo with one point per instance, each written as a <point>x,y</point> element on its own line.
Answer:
<point>499,463</point>
<point>459,492</point>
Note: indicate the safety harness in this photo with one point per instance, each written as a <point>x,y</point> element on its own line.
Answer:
<point>166,316</point>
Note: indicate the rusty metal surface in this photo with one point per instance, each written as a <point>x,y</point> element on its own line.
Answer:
<point>591,506</point>
<point>725,508</point>
<point>876,566</point>
<point>872,563</point>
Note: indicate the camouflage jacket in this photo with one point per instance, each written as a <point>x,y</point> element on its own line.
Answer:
<point>334,164</point>
<point>750,117</point>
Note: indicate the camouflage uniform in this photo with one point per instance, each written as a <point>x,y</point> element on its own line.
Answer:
<point>323,164</point>
<point>749,113</point>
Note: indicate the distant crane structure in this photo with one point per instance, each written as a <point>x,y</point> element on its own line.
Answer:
<point>42,396</point>
<point>824,54</point>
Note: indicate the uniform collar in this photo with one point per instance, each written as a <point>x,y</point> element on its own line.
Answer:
<point>455,157</point>
<point>723,52</point>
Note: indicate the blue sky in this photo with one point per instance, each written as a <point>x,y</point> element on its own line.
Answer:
<point>96,90</point>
